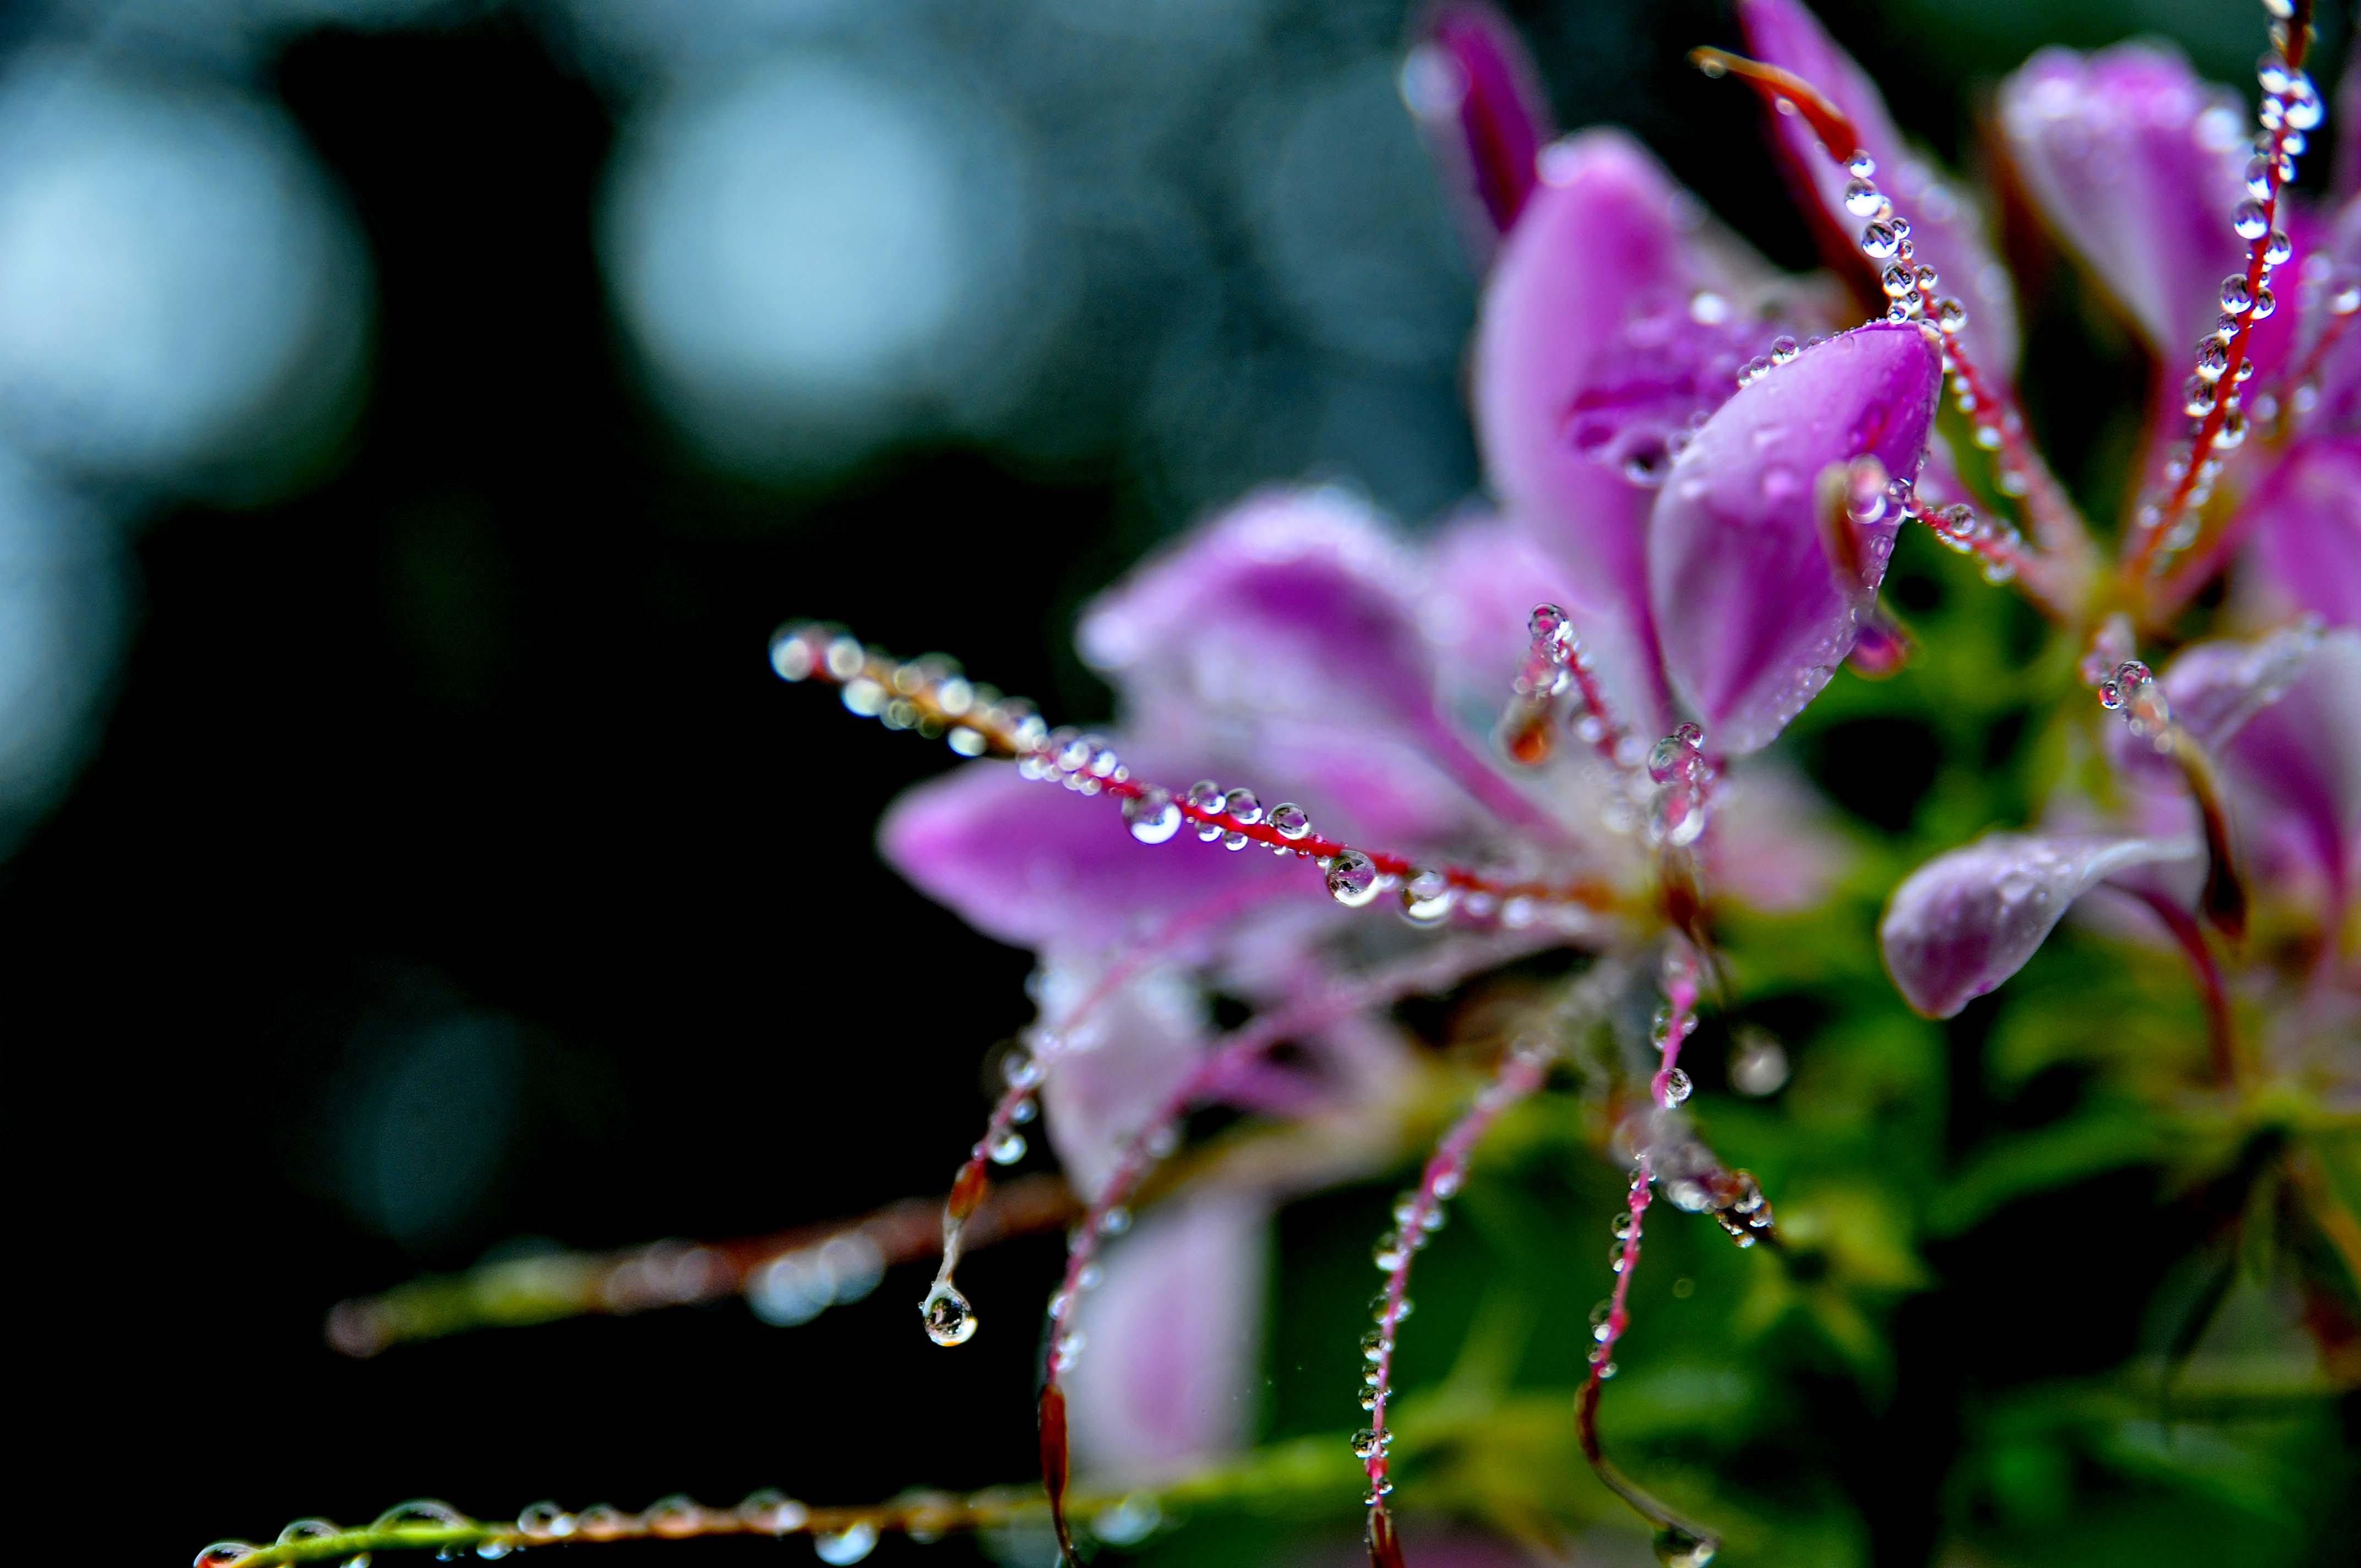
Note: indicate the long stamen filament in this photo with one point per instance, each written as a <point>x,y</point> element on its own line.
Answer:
<point>930,696</point>
<point>2163,527</point>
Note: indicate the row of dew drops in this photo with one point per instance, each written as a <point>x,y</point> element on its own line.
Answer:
<point>768,1511</point>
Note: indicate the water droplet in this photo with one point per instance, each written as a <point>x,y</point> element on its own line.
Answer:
<point>1388,1253</point>
<point>1615,1261</point>
<point>2198,397</point>
<point>2264,303</point>
<point>1950,314</point>
<point>1009,1147</point>
<point>1783,351</point>
<point>2213,357</point>
<point>1860,166</point>
<point>422,1513</point>
<point>1153,816</point>
<point>1760,1066</point>
<point>949,1318</point>
<point>1114,1222</point>
<point>1367,1443</point>
<point>1864,199</point>
<point>1241,807</point>
<point>1427,898</point>
<point>773,1510</point>
<point>221,1553</point>
<point>1353,878</point>
<point>1677,1086</point>
<point>2236,298</point>
<point>848,1545</point>
<point>2233,433</point>
<point>2279,248</point>
<point>308,1529</point>
<point>1678,1548</point>
<point>1290,820</point>
<point>2249,220</point>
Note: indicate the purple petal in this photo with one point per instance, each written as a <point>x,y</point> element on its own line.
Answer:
<point>2295,774</point>
<point>1474,89</point>
<point>1944,226</point>
<point>1295,604</point>
<point>1173,1335</point>
<point>2305,545</point>
<point>1034,865</point>
<point>1748,607</point>
<point>1966,921</point>
<point>1607,327</point>
<point>1291,622</point>
<point>2138,164</point>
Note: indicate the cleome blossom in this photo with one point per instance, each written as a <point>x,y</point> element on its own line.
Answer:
<point>1545,711</point>
<point>1350,764</point>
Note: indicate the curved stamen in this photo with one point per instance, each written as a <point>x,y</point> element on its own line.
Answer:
<point>1420,1212</point>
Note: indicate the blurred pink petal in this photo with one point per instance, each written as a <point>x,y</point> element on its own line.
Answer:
<point>1747,608</point>
<point>1291,618</point>
<point>1115,1066</point>
<point>1173,1341</point>
<point>2295,771</point>
<point>2305,530</point>
<point>1606,328</point>
<point>2138,164</point>
<point>1475,91</point>
<point>1965,921</point>
<point>1944,224</point>
<point>1036,866</point>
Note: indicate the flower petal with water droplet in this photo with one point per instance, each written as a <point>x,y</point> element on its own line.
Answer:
<point>1944,226</point>
<point>1610,323</point>
<point>2138,164</point>
<point>1749,614</point>
<point>1965,921</point>
<point>1033,866</point>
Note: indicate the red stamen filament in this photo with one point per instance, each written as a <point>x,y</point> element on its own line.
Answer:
<point>2156,532</point>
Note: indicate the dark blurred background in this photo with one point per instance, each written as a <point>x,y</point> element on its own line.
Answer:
<point>413,418</point>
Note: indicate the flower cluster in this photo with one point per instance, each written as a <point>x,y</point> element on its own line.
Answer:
<point>1542,725</point>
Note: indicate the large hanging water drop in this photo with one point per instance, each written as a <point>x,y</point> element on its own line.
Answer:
<point>848,1545</point>
<point>949,1321</point>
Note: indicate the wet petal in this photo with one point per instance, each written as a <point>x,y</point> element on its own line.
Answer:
<point>1291,623</point>
<point>1034,865</point>
<point>1608,325</point>
<point>2304,548</point>
<point>2138,164</point>
<point>1944,226</point>
<point>1294,604</point>
<point>1475,91</point>
<point>1173,1337</point>
<point>1966,921</point>
<point>1751,615</point>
